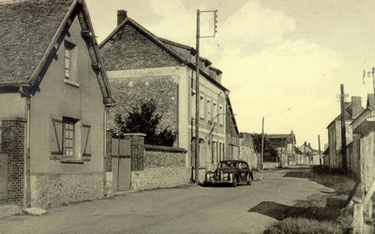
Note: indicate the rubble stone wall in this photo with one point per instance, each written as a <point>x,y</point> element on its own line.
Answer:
<point>54,190</point>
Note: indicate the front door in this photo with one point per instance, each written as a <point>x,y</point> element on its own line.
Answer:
<point>3,177</point>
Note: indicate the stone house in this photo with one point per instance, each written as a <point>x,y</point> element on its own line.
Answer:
<point>308,155</point>
<point>352,110</point>
<point>54,96</point>
<point>141,66</point>
<point>285,144</point>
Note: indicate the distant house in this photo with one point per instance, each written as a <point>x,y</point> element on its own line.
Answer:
<point>309,155</point>
<point>54,96</point>
<point>352,110</point>
<point>285,145</point>
<point>143,66</point>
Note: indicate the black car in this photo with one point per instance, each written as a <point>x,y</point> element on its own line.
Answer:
<point>231,172</point>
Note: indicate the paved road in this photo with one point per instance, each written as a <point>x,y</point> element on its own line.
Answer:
<point>188,209</point>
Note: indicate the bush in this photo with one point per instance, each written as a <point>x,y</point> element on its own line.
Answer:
<point>303,226</point>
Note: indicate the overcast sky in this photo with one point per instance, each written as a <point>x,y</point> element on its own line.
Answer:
<point>283,60</point>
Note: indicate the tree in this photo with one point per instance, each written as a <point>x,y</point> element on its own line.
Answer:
<point>269,149</point>
<point>143,119</point>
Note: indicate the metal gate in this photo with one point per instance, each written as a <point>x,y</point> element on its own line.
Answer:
<point>121,164</point>
<point>3,177</point>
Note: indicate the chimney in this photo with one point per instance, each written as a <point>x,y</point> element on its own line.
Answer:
<point>121,16</point>
<point>356,106</point>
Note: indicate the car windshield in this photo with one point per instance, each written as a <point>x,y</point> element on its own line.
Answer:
<point>227,165</point>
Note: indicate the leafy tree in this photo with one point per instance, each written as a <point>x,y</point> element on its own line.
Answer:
<point>143,119</point>
<point>269,149</point>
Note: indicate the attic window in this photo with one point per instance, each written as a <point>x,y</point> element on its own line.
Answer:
<point>71,76</point>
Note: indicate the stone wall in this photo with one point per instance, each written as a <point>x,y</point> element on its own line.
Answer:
<point>54,190</point>
<point>163,167</point>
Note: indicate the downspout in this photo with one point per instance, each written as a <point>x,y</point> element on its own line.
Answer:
<point>104,151</point>
<point>25,93</point>
<point>28,173</point>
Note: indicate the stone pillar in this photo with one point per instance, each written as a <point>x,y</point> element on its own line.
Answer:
<point>13,144</point>
<point>108,161</point>
<point>137,150</point>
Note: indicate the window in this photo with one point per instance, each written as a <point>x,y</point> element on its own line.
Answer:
<point>208,109</point>
<point>221,116</point>
<point>70,63</point>
<point>70,140</point>
<point>201,108</point>
<point>214,111</point>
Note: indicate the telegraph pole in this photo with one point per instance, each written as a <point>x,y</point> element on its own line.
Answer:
<point>197,91</point>
<point>262,152</point>
<point>343,131</point>
<point>320,153</point>
<point>197,99</point>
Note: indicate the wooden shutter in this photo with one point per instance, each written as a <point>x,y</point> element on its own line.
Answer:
<point>86,140</point>
<point>56,132</point>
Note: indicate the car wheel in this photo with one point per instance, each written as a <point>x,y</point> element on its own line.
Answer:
<point>234,182</point>
<point>249,179</point>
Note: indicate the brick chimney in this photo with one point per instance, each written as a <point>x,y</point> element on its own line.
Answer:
<point>356,106</point>
<point>121,16</point>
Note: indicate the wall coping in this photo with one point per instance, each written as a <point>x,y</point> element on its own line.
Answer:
<point>134,134</point>
<point>13,119</point>
<point>164,148</point>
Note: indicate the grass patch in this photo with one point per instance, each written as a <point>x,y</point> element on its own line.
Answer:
<point>314,215</point>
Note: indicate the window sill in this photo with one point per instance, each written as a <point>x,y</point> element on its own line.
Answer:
<point>72,83</point>
<point>69,159</point>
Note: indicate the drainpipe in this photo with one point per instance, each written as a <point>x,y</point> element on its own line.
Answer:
<point>25,93</point>
<point>104,151</point>
<point>28,172</point>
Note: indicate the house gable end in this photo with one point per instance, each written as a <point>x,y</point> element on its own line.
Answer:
<point>130,48</point>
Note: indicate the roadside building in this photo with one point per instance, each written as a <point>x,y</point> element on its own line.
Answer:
<point>285,144</point>
<point>248,151</point>
<point>352,110</point>
<point>142,66</point>
<point>54,96</point>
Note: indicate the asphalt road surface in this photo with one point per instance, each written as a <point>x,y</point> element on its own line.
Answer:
<point>186,209</point>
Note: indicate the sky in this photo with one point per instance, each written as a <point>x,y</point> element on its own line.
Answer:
<point>282,60</point>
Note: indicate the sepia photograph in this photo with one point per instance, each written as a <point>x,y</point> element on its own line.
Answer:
<point>187,116</point>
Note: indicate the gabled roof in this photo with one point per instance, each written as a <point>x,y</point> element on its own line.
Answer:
<point>172,48</point>
<point>348,113</point>
<point>29,39</point>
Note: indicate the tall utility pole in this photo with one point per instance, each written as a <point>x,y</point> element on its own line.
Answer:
<point>262,152</point>
<point>320,152</point>
<point>197,99</point>
<point>197,92</point>
<point>343,131</point>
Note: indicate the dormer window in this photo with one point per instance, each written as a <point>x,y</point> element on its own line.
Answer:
<point>70,59</point>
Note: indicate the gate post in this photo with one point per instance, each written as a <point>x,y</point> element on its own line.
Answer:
<point>137,150</point>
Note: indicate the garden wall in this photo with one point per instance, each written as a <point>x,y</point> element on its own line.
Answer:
<point>163,167</point>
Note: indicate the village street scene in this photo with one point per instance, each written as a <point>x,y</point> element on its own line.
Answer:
<point>254,116</point>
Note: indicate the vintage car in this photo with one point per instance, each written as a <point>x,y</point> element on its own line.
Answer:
<point>231,172</point>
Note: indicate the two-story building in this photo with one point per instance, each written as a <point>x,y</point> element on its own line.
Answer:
<point>141,66</point>
<point>54,96</point>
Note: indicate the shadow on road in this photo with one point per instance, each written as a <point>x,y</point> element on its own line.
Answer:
<point>280,211</point>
